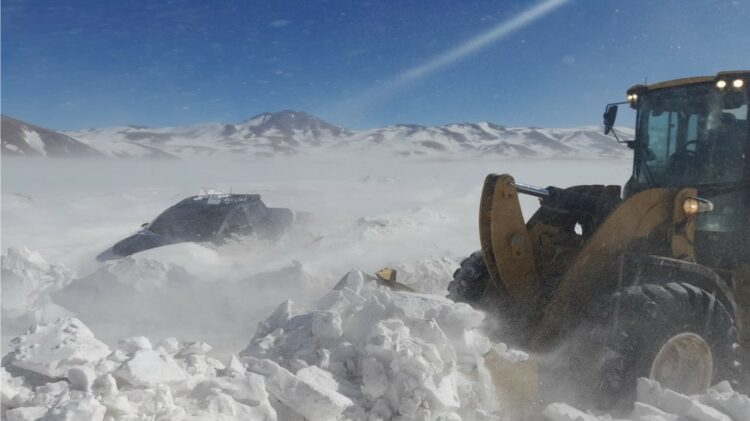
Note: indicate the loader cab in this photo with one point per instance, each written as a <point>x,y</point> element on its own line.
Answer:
<point>695,133</point>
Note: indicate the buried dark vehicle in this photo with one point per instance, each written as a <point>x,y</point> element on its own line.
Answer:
<point>206,218</point>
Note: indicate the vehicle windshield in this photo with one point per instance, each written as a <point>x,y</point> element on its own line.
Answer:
<point>692,135</point>
<point>190,220</point>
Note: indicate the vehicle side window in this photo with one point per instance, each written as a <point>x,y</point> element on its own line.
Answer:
<point>730,143</point>
<point>238,222</point>
<point>662,139</point>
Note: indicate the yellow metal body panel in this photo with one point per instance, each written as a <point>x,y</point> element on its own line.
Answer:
<point>696,79</point>
<point>683,230</point>
<point>516,383</point>
<point>681,82</point>
<point>506,240</point>
<point>595,267</point>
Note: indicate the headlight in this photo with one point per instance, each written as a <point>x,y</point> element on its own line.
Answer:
<point>721,84</point>
<point>738,83</point>
<point>693,206</point>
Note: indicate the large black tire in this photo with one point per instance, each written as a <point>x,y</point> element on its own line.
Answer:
<point>472,284</point>
<point>620,340</point>
<point>470,280</point>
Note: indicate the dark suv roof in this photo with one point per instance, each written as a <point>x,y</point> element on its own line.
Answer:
<point>204,218</point>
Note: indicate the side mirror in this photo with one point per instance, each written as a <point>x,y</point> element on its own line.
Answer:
<point>610,115</point>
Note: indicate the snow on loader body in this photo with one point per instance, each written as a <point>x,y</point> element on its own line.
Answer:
<point>656,283</point>
<point>212,217</point>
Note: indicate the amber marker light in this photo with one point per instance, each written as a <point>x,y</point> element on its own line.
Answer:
<point>693,206</point>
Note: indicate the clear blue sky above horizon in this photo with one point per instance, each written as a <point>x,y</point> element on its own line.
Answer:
<point>78,64</point>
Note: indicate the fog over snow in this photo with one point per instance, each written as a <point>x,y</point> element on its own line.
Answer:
<point>368,212</point>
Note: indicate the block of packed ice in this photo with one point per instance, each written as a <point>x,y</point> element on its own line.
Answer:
<point>52,349</point>
<point>151,367</point>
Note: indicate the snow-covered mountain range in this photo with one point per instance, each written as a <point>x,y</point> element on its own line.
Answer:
<point>285,133</point>
<point>23,139</point>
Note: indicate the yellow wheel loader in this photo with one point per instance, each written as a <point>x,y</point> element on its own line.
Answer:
<point>650,280</point>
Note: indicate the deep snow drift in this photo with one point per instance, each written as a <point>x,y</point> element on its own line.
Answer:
<point>362,352</point>
<point>131,336</point>
<point>368,212</point>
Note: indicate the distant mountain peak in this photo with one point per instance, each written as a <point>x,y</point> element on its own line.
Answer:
<point>287,117</point>
<point>286,125</point>
<point>20,138</point>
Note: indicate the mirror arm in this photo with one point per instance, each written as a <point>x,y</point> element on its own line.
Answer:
<point>629,143</point>
<point>614,132</point>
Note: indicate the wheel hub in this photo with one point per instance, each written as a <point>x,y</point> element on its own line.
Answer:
<point>684,364</point>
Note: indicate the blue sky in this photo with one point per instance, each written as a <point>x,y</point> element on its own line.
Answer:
<point>77,64</point>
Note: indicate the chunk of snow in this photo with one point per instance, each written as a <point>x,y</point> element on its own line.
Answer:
<point>86,408</point>
<point>318,377</point>
<point>326,325</point>
<point>28,413</point>
<point>235,367</point>
<point>22,259</point>
<point>655,403</point>
<point>642,410</point>
<point>133,344</point>
<point>195,348</point>
<point>12,390</point>
<point>170,345</point>
<point>430,276</point>
<point>81,377</point>
<point>106,386</point>
<point>732,403</point>
<point>565,412</point>
<point>50,394</point>
<point>680,404</point>
<point>311,400</point>
<point>52,349</point>
<point>151,367</point>
<point>216,405</point>
<point>28,281</point>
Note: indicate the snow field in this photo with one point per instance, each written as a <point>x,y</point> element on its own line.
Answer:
<point>361,352</point>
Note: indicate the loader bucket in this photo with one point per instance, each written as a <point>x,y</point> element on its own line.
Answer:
<point>516,382</point>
